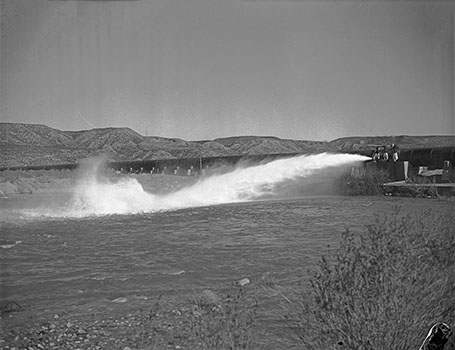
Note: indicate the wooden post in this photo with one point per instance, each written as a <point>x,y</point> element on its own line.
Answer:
<point>200,162</point>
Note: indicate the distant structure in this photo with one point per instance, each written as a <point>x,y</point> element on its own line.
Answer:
<point>385,153</point>
<point>428,170</point>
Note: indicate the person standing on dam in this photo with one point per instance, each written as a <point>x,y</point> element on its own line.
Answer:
<point>394,149</point>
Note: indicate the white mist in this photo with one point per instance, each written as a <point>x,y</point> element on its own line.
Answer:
<point>95,195</point>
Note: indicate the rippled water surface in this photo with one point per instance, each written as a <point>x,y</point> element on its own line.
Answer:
<point>64,263</point>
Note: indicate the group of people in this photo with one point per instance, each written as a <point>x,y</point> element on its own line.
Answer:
<point>191,171</point>
<point>385,153</point>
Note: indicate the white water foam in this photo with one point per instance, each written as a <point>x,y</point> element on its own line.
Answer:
<point>97,196</point>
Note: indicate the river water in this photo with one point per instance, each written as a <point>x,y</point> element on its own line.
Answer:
<point>76,258</point>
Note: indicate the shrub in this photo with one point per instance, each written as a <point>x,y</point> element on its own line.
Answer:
<point>384,288</point>
<point>229,325</point>
<point>420,191</point>
<point>369,183</point>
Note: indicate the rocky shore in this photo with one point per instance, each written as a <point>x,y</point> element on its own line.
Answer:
<point>172,322</point>
<point>139,329</point>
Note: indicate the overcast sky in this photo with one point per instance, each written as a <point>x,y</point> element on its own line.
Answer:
<point>202,69</point>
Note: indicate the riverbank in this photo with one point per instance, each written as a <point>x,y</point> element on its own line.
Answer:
<point>20,182</point>
<point>404,188</point>
<point>158,326</point>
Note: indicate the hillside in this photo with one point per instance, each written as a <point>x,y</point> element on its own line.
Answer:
<point>33,144</point>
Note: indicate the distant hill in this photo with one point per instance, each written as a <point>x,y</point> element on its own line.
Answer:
<point>34,135</point>
<point>35,144</point>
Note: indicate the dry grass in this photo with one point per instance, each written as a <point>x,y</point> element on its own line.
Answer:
<point>229,325</point>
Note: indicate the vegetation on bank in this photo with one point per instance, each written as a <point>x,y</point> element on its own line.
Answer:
<point>384,288</point>
<point>421,187</point>
<point>225,323</point>
<point>367,182</point>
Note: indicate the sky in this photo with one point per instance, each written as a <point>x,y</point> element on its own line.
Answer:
<point>204,69</point>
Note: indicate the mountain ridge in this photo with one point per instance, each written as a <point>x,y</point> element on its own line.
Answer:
<point>37,144</point>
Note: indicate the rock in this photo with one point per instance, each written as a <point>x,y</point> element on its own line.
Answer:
<point>197,313</point>
<point>243,282</point>
<point>120,300</point>
<point>7,188</point>
<point>437,337</point>
<point>177,312</point>
<point>209,297</point>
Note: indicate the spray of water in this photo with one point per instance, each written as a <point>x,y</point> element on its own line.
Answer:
<point>100,195</point>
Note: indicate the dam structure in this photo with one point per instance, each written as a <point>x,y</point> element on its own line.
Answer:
<point>408,164</point>
<point>172,166</point>
<point>439,162</point>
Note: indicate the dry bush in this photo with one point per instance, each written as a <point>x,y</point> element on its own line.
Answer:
<point>229,325</point>
<point>384,288</point>
<point>420,191</point>
<point>369,184</point>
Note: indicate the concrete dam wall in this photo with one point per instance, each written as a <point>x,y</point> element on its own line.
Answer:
<point>433,158</point>
<point>169,166</point>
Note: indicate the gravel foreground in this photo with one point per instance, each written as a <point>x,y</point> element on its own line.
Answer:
<point>137,330</point>
<point>164,323</point>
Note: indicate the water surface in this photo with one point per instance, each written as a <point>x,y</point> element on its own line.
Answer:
<point>64,263</point>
